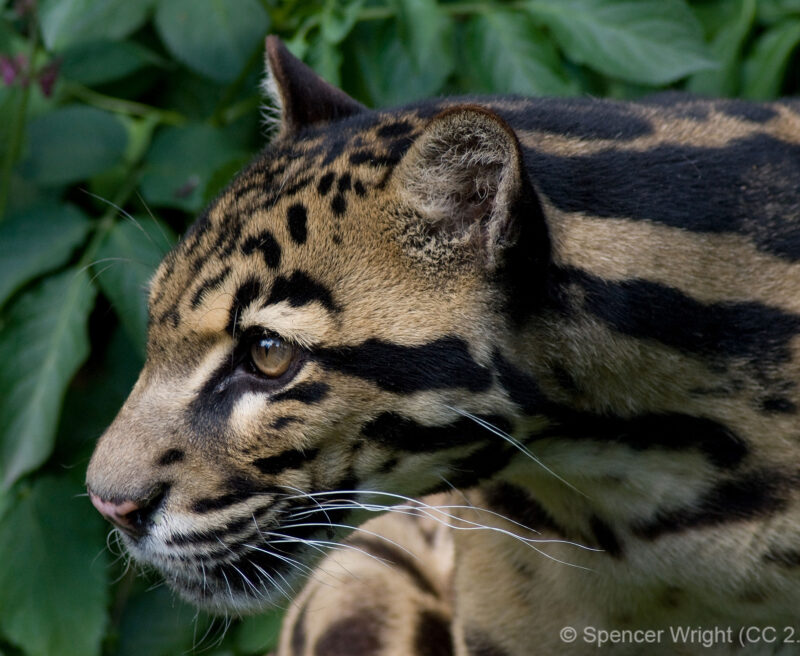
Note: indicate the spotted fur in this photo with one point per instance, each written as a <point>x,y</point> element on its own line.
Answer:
<point>578,318</point>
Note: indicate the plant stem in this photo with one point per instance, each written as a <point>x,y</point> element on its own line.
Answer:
<point>18,121</point>
<point>121,106</point>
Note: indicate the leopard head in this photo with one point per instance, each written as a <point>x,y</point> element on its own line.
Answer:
<point>324,340</point>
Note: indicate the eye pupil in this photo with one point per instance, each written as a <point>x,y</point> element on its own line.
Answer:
<point>272,356</point>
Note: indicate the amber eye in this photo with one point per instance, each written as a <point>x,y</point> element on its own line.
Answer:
<point>272,356</point>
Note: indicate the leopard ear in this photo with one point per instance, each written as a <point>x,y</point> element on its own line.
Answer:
<point>464,177</point>
<point>301,95</point>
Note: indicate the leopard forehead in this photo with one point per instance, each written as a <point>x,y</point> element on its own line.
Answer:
<point>305,217</point>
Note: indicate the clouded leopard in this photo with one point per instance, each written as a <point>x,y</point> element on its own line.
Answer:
<point>558,339</point>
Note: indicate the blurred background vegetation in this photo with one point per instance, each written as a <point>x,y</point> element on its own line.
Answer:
<point>120,119</point>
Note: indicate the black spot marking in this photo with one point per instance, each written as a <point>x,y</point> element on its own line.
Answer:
<point>298,639</point>
<point>400,432</point>
<point>292,459</point>
<point>171,316</point>
<point>296,217</point>
<point>754,495</point>
<point>674,432</point>
<point>308,393</point>
<point>325,183</point>
<point>392,130</point>
<point>521,387</point>
<point>344,184</point>
<point>581,118</point>
<point>396,559</point>
<point>432,635</point>
<point>266,244</point>
<point>481,464</point>
<point>784,557</point>
<point>605,537</point>
<point>443,364</point>
<point>373,159</point>
<point>516,504</point>
<point>778,405</point>
<point>356,635</point>
<point>206,285</point>
<point>282,422</point>
<point>748,111</point>
<point>338,204</point>
<point>358,187</point>
<point>239,489</point>
<point>716,190</point>
<point>479,643</point>
<point>649,310</point>
<point>170,456</point>
<point>300,289</point>
<point>671,431</point>
<point>248,292</point>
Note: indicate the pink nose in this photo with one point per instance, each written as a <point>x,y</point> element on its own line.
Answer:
<point>125,515</point>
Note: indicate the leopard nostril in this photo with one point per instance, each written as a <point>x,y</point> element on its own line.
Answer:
<point>132,517</point>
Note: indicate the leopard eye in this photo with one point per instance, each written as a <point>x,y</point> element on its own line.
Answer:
<point>272,356</point>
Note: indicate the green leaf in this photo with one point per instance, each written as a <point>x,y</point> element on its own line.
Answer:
<point>157,624</point>
<point>180,163</point>
<point>765,67</point>
<point>37,240</point>
<point>97,62</point>
<point>386,75</point>
<point>71,144</point>
<point>505,53</point>
<point>125,263</point>
<point>213,37</point>
<point>52,583</point>
<point>259,634</point>
<point>66,22</point>
<point>326,59</point>
<point>426,32</point>
<point>42,343</point>
<point>726,46</point>
<point>772,11</point>
<point>95,397</point>
<point>338,19</point>
<point>646,41</point>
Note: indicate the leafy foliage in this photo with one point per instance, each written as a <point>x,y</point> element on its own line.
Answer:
<point>114,112</point>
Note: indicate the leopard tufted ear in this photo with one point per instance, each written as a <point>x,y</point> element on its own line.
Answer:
<point>302,96</point>
<point>464,177</point>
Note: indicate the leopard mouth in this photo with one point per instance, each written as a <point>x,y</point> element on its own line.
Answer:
<point>242,566</point>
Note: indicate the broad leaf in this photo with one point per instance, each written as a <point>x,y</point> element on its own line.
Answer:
<point>180,163</point>
<point>426,31</point>
<point>213,37</point>
<point>42,343</point>
<point>157,624</point>
<point>98,62</point>
<point>386,75</point>
<point>66,22</point>
<point>125,263</point>
<point>36,240</point>
<point>94,398</point>
<point>52,582</point>
<point>259,634</point>
<point>645,41</point>
<point>726,46</point>
<point>772,11</point>
<point>338,19</point>
<point>765,67</point>
<point>72,143</point>
<point>506,53</point>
